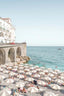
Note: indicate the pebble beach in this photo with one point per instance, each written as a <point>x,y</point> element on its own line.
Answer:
<point>18,79</point>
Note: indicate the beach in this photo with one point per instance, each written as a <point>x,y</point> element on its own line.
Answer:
<point>18,79</point>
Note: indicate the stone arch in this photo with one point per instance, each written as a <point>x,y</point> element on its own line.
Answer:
<point>18,52</point>
<point>11,54</point>
<point>2,56</point>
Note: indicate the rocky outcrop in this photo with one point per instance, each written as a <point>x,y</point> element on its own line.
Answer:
<point>22,59</point>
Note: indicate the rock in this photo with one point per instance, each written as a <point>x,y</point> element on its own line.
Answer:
<point>24,58</point>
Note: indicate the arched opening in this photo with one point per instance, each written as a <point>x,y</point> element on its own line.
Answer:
<point>11,54</point>
<point>2,56</point>
<point>18,52</point>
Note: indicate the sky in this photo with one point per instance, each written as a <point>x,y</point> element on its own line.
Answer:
<point>37,22</point>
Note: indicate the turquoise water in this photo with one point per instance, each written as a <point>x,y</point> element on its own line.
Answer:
<point>49,57</point>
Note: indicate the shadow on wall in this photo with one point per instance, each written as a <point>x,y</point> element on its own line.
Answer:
<point>11,54</point>
<point>2,56</point>
<point>18,52</point>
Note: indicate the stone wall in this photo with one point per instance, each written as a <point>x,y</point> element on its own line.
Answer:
<point>10,53</point>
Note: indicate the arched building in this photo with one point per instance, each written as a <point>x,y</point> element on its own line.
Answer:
<point>9,52</point>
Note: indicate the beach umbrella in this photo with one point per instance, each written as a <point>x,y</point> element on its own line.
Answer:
<point>2,76</point>
<point>20,76</point>
<point>12,86</point>
<point>28,73</point>
<point>55,73</point>
<point>31,65</point>
<point>60,82</point>
<point>50,94</point>
<point>21,68</point>
<point>27,70</point>
<point>55,86</point>
<point>6,71</point>
<point>12,74</point>
<point>36,75</point>
<point>10,80</point>
<point>16,79</point>
<point>26,66</point>
<point>11,64</point>
<point>58,71</point>
<point>31,68</point>
<point>9,67</point>
<point>15,66</point>
<point>33,71</point>
<point>42,68</point>
<point>5,92</point>
<point>29,85</point>
<point>43,83</point>
<point>46,71</point>
<point>41,89</point>
<point>1,69</point>
<point>14,63</point>
<point>51,75</point>
<point>14,69</point>
<point>42,73</point>
<point>17,94</point>
<point>47,78</point>
<point>21,65</point>
<point>29,79</point>
<point>36,66</point>
<point>50,70</point>
<point>61,77</point>
<point>32,89</point>
<point>3,83</point>
<point>62,74</point>
<point>3,66</point>
<point>20,84</point>
<point>21,71</point>
<point>17,59</point>
<point>38,69</point>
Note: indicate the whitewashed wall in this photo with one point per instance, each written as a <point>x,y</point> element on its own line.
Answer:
<point>7,32</point>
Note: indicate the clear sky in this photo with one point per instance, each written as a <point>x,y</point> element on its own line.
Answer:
<point>38,22</point>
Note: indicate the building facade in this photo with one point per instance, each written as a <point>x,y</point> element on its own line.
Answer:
<point>7,31</point>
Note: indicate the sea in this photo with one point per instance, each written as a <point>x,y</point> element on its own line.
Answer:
<point>47,56</point>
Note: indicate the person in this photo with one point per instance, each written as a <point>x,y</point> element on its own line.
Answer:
<point>37,87</point>
<point>56,66</point>
<point>23,90</point>
<point>35,82</point>
<point>18,89</point>
<point>13,93</point>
